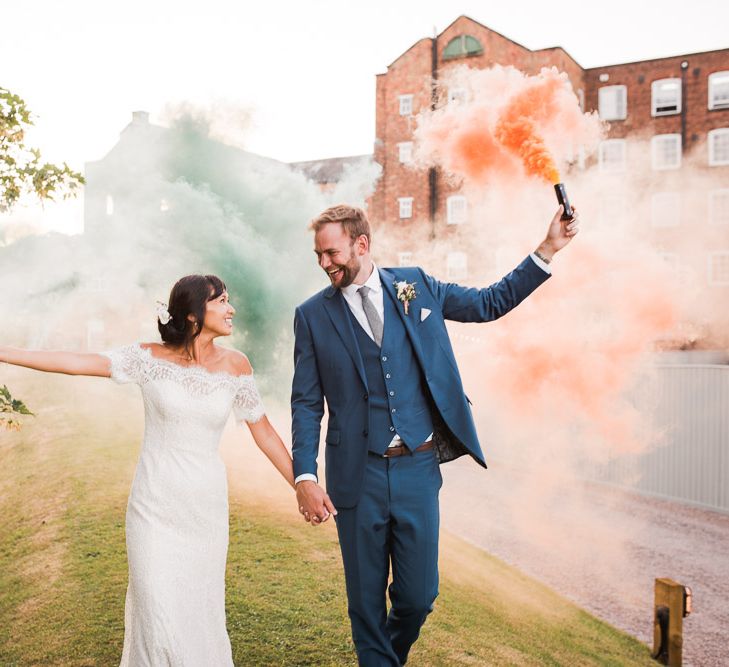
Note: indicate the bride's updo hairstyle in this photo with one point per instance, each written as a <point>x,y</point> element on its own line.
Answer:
<point>189,296</point>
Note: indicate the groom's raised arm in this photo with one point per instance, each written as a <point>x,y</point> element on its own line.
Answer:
<point>307,400</point>
<point>470,304</point>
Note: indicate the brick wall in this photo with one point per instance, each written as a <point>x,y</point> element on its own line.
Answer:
<point>411,74</point>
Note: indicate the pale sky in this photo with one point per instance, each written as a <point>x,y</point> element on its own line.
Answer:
<point>302,71</point>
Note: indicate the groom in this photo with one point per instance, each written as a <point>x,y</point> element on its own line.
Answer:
<point>374,346</point>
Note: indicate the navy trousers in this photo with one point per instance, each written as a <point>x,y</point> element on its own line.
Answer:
<point>394,524</point>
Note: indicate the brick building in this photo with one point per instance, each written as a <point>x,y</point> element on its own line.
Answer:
<point>664,114</point>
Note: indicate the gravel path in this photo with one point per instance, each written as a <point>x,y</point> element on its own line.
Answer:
<point>605,554</point>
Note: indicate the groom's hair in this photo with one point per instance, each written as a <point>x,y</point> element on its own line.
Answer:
<point>353,220</point>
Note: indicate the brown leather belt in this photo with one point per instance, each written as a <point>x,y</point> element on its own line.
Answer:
<point>402,449</point>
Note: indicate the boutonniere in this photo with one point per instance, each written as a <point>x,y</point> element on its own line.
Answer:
<point>405,293</point>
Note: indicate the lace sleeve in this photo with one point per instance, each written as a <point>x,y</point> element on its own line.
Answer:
<point>247,404</point>
<point>127,364</point>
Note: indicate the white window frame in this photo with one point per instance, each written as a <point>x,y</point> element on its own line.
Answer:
<point>405,205</point>
<point>719,80</point>
<point>456,266</point>
<point>658,88</point>
<point>662,202</point>
<point>608,167</point>
<point>456,210</point>
<point>405,258</point>
<point>619,110</point>
<point>713,160</point>
<point>405,104</point>
<point>716,209</point>
<point>717,256</point>
<point>458,95</point>
<point>657,142</point>
<point>405,152</point>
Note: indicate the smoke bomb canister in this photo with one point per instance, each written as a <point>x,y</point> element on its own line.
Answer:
<point>562,199</point>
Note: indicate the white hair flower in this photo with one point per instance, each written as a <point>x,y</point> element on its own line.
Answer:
<point>163,315</point>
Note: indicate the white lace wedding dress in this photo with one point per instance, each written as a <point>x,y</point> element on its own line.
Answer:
<point>177,515</point>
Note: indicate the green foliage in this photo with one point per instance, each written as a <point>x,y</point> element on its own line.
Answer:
<point>23,172</point>
<point>10,406</point>
<point>21,168</point>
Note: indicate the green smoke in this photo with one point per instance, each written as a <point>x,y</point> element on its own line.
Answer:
<point>166,202</point>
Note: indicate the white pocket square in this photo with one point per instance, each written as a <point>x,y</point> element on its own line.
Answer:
<point>424,312</point>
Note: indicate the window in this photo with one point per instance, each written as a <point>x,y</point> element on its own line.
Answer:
<point>612,102</point>
<point>666,151</point>
<point>719,268</point>
<point>666,209</point>
<point>406,105</point>
<point>611,155</point>
<point>406,207</point>
<point>719,90</point>
<point>109,205</point>
<point>457,266</point>
<point>719,207</point>
<point>456,210</point>
<point>665,97</point>
<point>719,147</point>
<point>581,98</point>
<point>405,258</point>
<point>463,45</point>
<point>164,205</point>
<point>405,151</point>
<point>458,95</point>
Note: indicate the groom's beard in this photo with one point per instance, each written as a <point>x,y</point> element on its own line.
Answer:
<point>348,272</point>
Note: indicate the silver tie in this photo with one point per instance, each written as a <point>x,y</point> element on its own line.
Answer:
<point>371,314</point>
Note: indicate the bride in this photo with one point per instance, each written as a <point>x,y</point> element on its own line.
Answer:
<point>177,514</point>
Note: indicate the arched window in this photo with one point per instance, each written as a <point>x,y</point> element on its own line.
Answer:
<point>463,45</point>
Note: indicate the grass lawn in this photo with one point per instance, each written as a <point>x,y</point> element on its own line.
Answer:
<point>63,486</point>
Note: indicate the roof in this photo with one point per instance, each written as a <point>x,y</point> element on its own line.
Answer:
<point>330,170</point>
<point>485,27</point>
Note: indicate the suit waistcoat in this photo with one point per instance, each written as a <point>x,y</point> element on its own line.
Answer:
<point>398,402</point>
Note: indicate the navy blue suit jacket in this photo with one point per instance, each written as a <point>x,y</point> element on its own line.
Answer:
<point>328,367</point>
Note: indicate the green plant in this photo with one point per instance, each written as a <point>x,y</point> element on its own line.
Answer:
<point>21,168</point>
<point>10,406</point>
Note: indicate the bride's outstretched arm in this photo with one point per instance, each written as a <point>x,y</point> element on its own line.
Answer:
<point>71,363</point>
<point>270,443</point>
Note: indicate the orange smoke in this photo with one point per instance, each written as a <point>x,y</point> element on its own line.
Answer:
<point>517,128</point>
<point>514,124</point>
<point>474,151</point>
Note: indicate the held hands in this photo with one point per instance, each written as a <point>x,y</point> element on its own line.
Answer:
<point>314,503</point>
<point>559,233</point>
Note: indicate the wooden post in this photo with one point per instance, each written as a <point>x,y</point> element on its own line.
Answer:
<point>669,609</point>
